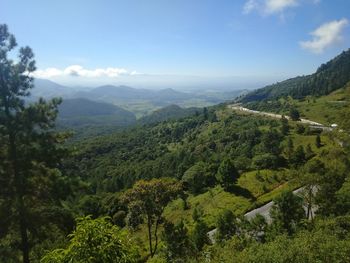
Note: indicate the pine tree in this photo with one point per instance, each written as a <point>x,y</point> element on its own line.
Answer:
<point>227,174</point>
<point>30,149</point>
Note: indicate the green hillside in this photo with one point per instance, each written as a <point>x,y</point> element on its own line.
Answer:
<point>84,112</point>
<point>328,77</point>
<point>168,113</point>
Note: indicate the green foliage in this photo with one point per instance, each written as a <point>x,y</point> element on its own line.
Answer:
<point>284,126</point>
<point>147,200</point>
<point>328,242</point>
<point>225,225</point>
<point>298,158</point>
<point>76,113</point>
<point>287,213</point>
<point>197,177</point>
<point>294,114</point>
<point>31,152</point>
<point>199,235</point>
<point>95,240</point>
<point>176,241</point>
<point>170,112</point>
<point>266,161</point>
<point>227,174</point>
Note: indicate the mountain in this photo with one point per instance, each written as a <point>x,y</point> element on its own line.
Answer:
<point>170,112</point>
<point>328,77</point>
<point>81,112</point>
<point>122,94</point>
<point>141,102</point>
<point>49,89</point>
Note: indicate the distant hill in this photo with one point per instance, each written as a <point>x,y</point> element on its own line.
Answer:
<point>122,94</point>
<point>49,89</point>
<point>80,112</point>
<point>328,77</point>
<point>170,112</point>
<point>141,102</point>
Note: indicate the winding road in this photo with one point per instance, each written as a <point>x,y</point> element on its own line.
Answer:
<point>265,212</point>
<point>312,124</point>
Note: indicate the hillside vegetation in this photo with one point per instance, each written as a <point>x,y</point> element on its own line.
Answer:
<point>328,77</point>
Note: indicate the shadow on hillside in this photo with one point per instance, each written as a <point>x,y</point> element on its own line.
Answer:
<point>238,190</point>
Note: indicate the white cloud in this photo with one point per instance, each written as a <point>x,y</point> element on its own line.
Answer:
<point>278,6</point>
<point>249,6</point>
<point>270,7</point>
<point>79,71</point>
<point>325,36</point>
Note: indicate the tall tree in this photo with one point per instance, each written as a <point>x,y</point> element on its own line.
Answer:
<point>176,241</point>
<point>294,114</point>
<point>227,174</point>
<point>30,151</point>
<point>147,200</point>
<point>287,212</point>
<point>226,225</point>
<point>284,125</point>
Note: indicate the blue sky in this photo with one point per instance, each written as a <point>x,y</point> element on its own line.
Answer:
<point>180,40</point>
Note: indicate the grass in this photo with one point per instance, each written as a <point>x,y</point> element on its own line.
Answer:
<point>325,109</point>
<point>261,182</point>
<point>211,202</point>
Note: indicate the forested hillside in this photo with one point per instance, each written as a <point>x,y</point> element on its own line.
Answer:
<point>170,112</point>
<point>328,77</point>
<point>75,113</point>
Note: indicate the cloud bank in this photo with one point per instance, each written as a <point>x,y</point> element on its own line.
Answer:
<point>325,36</point>
<point>79,71</point>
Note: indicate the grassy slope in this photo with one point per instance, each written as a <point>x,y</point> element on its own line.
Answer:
<point>325,109</point>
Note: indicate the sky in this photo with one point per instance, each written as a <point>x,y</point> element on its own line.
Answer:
<point>184,43</point>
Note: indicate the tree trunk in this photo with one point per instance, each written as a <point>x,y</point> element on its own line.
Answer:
<point>18,183</point>
<point>24,237</point>
<point>150,235</point>
<point>156,236</point>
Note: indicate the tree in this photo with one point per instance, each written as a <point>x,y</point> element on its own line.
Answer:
<point>290,148</point>
<point>308,177</point>
<point>298,157</point>
<point>196,177</point>
<point>30,149</point>
<point>294,114</point>
<point>287,212</point>
<point>149,199</point>
<point>284,125</point>
<point>308,152</point>
<point>226,226</point>
<point>176,240</point>
<point>300,129</point>
<point>318,142</point>
<point>200,235</point>
<point>197,213</point>
<point>95,240</point>
<point>227,175</point>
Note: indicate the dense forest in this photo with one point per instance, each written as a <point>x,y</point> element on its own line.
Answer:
<point>170,190</point>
